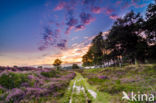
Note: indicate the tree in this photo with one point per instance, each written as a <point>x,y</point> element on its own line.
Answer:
<point>150,23</point>
<point>150,30</point>
<point>95,52</point>
<point>75,66</point>
<point>124,39</point>
<point>87,59</point>
<point>97,49</point>
<point>130,39</point>
<point>57,63</point>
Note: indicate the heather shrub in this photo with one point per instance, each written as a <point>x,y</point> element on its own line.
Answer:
<point>12,80</point>
<point>50,74</point>
<point>102,77</point>
<point>112,89</point>
<point>15,95</point>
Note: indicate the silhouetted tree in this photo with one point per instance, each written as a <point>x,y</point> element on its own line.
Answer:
<point>75,66</point>
<point>97,49</point>
<point>150,23</point>
<point>57,63</point>
<point>150,30</point>
<point>124,39</point>
<point>87,59</point>
<point>131,38</point>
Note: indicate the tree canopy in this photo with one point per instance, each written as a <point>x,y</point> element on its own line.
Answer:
<point>131,38</point>
<point>57,62</point>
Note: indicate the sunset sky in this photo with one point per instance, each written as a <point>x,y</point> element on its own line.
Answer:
<point>35,32</point>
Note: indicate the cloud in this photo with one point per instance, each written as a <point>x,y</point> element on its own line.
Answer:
<point>86,18</point>
<point>118,2</point>
<point>85,37</point>
<point>60,6</point>
<point>80,27</point>
<point>88,2</point>
<point>69,29</point>
<point>137,5</point>
<point>75,38</point>
<point>42,47</point>
<point>74,53</point>
<point>51,37</point>
<point>109,11</point>
<point>134,3</point>
<point>62,44</point>
<point>70,24</point>
<point>114,17</point>
<point>48,35</point>
<point>96,10</point>
<point>77,17</point>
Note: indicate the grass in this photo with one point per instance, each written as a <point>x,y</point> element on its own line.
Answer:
<point>52,73</point>
<point>12,80</point>
<point>83,96</point>
<point>128,78</point>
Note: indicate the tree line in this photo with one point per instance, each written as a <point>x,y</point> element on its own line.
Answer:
<point>131,38</point>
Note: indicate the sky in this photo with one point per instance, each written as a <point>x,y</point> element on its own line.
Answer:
<point>36,32</point>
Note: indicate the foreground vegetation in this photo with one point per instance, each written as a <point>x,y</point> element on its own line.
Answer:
<point>114,80</point>
<point>80,91</point>
<point>29,85</point>
<point>100,85</point>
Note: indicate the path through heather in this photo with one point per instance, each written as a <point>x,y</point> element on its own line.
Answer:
<point>80,91</point>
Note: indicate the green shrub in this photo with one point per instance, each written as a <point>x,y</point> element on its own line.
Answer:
<point>112,89</point>
<point>118,82</point>
<point>12,80</point>
<point>50,74</point>
<point>1,91</point>
<point>96,80</point>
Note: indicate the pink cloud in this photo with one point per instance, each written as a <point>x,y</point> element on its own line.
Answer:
<point>118,2</point>
<point>137,5</point>
<point>109,11</point>
<point>80,27</point>
<point>114,17</point>
<point>72,22</point>
<point>86,18</point>
<point>127,5</point>
<point>90,20</point>
<point>42,48</point>
<point>60,6</point>
<point>69,29</point>
<point>96,10</point>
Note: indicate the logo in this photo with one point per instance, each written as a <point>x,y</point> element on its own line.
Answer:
<point>138,97</point>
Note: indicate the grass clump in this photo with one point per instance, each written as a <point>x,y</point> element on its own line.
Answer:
<point>12,80</point>
<point>1,91</point>
<point>50,74</point>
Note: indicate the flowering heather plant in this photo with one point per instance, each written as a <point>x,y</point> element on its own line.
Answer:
<point>15,95</point>
<point>25,85</point>
<point>35,92</point>
<point>71,75</point>
<point>1,87</point>
<point>6,72</point>
<point>102,77</point>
